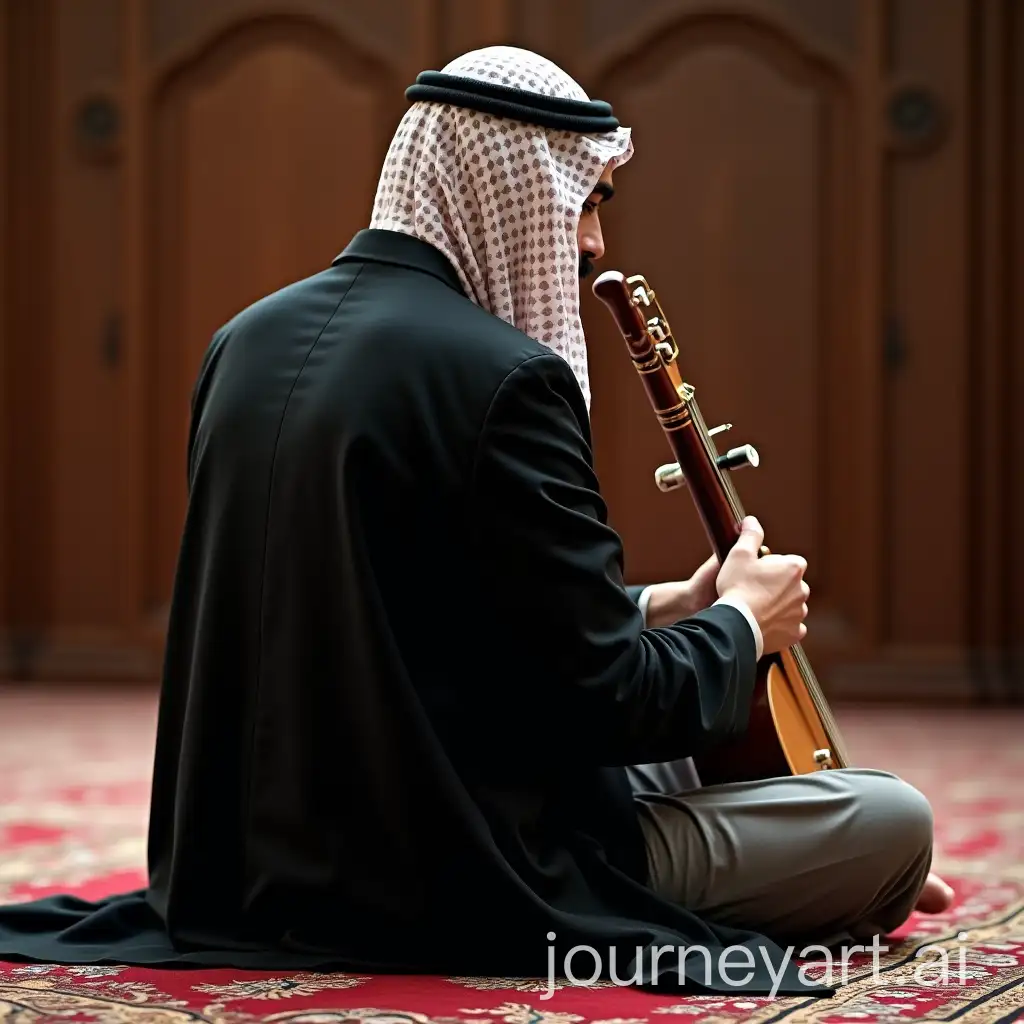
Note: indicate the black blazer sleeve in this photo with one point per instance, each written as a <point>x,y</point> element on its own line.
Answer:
<point>200,389</point>
<point>552,573</point>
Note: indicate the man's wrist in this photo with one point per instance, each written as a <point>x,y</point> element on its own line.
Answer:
<point>663,604</point>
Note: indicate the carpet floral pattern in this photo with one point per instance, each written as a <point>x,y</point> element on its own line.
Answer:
<point>74,784</point>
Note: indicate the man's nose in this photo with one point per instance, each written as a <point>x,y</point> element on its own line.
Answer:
<point>593,242</point>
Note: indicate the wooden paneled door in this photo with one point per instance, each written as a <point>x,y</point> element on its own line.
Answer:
<point>263,139</point>
<point>176,159</point>
<point>820,196</point>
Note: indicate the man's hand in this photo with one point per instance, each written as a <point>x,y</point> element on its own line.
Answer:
<point>772,587</point>
<point>670,602</point>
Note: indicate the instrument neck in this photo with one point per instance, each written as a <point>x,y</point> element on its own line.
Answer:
<point>719,505</point>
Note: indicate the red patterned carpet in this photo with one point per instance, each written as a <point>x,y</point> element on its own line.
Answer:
<point>74,769</point>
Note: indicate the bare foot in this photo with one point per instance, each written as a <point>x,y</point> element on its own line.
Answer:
<point>935,897</point>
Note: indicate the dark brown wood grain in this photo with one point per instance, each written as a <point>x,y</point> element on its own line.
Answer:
<point>843,286</point>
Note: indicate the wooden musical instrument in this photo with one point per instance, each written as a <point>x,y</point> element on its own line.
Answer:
<point>791,728</point>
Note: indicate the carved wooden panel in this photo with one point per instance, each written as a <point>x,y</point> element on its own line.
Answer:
<point>596,33</point>
<point>926,413</point>
<point>85,456</point>
<point>265,136</point>
<point>801,199</point>
<point>994,568</point>
<point>400,32</point>
<point>172,162</point>
<point>29,307</point>
<point>738,209</point>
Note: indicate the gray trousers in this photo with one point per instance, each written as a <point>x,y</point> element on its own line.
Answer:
<point>831,858</point>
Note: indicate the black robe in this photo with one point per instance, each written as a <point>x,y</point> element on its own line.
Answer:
<point>402,670</point>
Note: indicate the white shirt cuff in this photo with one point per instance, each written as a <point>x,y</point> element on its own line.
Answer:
<point>645,600</point>
<point>741,606</point>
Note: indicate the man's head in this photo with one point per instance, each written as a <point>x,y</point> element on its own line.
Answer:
<point>502,163</point>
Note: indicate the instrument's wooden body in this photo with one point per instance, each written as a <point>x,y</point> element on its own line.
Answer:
<point>791,730</point>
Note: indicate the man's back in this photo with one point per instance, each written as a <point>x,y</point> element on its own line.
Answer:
<point>343,673</point>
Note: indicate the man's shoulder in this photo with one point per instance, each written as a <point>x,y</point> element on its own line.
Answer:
<point>303,300</point>
<point>432,325</point>
<point>407,323</point>
<point>459,323</point>
<point>496,354</point>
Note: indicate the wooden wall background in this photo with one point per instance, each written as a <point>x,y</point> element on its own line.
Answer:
<point>827,197</point>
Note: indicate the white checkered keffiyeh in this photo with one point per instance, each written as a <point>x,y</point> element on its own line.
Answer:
<point>502,199</point>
